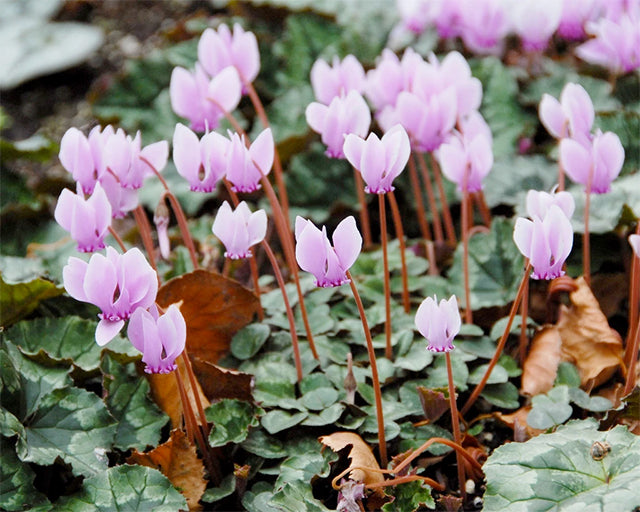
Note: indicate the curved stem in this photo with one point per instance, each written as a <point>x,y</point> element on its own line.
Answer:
<point>397,222</point>
<point>433,205</point>
<point>496,355</point>
<point>144,229</point>
<point>277,164</point>
<point>417,195</point>
<point>387,285</point>
<point>364,212</point>
<point>468,311</point>
<point>441,440</point>
<point>456,425</point>
<point>292,323</point>
<point>374,372</point>
<point>446,212</point>
<point>117,238</point>
<point>232,120</point>
<point>196,393</point>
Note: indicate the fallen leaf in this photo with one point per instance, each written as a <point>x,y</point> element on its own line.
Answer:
<point>541,365</point>
<point>178,461</point>
<point>218,382</point>
<point>434,402</point>
<point>517,421</point>
<point>587,340</point>
<point>360,455</point>
<point>214,308</point>
<point>478,452</point>
<point>164,389</point>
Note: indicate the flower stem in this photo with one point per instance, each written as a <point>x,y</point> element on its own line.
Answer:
<point>364,212</point>
<point>387,285</point>
<point>524,313</point>
<point>277,164</point>
<point>634,305</point>
<point>417,194</point>
<point>179,213</point>
<point>145,233</point>
<point>195,391</point>
<point>446,212</point>
<point>397,222</point>
<point>452,444</point>
<point>514,307</point>
<point>485,213</point>
<point>631,371</point>
<point>468,311</point>
<point>456,425</point>
<point>374,372</point>
<point>117,238</point>
<point>292,323</point>
<point>433,205</point>
<point>560,177</point>
<point>586,248</point>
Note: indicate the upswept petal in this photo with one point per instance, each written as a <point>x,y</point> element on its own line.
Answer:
<point>262,151</point>
<point>398,150</point>
<point>244,53</point>
<point>372,164</point>
<point>138,277</point>
<point>76,157</point>
<point>540,255</point>
<point>257,227</point>
<point>578,107</point>
<point>186,153</point>
<point>73,275</point>
<point>315,114</point>
<point>347,242</point>
<point>523,236</point>
<point>212,53</point>
<point>358,114</point>
<point>222,224</point>
<point>608,156</point>
<point>157,155</point>
<point>310,248</point>
<point>101,282</point>
<point>352,149</point>
<point>453,160</point>
<point>576,160</point>
<point>64,212</point>
<point>552,116</point>
<point>321,76</point>
<point>225,89</point>
<point>184,94</point>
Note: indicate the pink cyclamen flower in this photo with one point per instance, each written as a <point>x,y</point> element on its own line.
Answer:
<point>246,167</point>
<point>535,21</point>
<point>575,14</point>
<point>454,71</point>
<point>201,100</point>
<point>202,162</point>
<point>87,220</point>
<point>539,202</point>
<point>77,158</point>
<point>439,323</point>
<point>117,283</point>
<point>594,165</point>
<point>616,45</point>
<point>314,253</point>
<point>546,242</point>
<point>484,25</point>
<point>344,115</point>
<point>122,200</point>
<point>239,229</point>
<point>160,338</point>
<point>634,241</point>
<point>572,116</point>
<point>391,76</point>
<point>218,49</point>
<point>379,161</point>
<point>337,79</point>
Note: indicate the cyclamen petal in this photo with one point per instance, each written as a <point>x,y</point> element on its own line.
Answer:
<point>539,202</point>
<point>246,167</point>
<point>77,158</point>
<point>239,230</point>
<point>439,323</point>
<point>337,79</point>
<point>634,241</point>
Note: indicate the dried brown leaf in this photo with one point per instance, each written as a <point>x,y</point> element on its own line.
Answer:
<point>178,461</point>
<point>434,402</point>
<point>214,308</point>
<point>218,382</point>
<point>541,365</point>
<point>517,420</point>
<point>587,340</point>
<point>360,455</point>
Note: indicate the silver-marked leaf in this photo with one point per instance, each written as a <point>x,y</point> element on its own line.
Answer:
<point>550,409</point>
<point>16,484</point>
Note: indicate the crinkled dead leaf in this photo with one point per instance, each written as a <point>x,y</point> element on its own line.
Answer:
<point>478,452</point>
<point>218,382</point>
<point>214,308</point>
<point>360,455</point>
<point>435,402</point>
<point>541,365</point>
<point>587,340</point>
<point>164,389</point>
<point>517,420</point>
<point>178,461</point>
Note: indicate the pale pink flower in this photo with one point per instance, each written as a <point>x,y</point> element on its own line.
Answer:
<point>485,24</point>
<point>337,79</point>
<point>596,163</point>
<point>379,161</point>
<point>535,21</point>
<point>122,200</point>
<point>239,229</point>
<point>315,254</point>
<point>344,115</point>
<point>439,323</point>
<point>160,338</point>
<point>117,283</point>
<point>87,220</point>
<point>77,158</point>
<point>539,202</point>
<point>572,116</point>
<point>454,71</point>
<point>575,15</point>
<point>246,167</point>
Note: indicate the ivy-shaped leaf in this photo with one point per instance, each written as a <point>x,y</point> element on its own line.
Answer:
<point>16,484</point>
<point>558,472</point>
<point>232,420</point>
<point>131,488</point>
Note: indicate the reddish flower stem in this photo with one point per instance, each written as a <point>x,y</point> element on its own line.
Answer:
<point>433,205</point>
<point>117,238</point>
<point>290,317</point>
<point>485,213</point>
<point>634,305</point>
<point>524,313</point>
<point>633,352</point>
<point>417,194</point>
<point>196,394</point>
<point>514,307</point>
<point>226,267</point>
<point>441,440</point>
<point>456,425</point>
<point>387,285</point>
<point>397,222</point>
<point>560,177</point>
<point>446,211</point>
<point>145,233</point>
<point>468,311</point>
<point>586,246</point>
<point>364,212</point>
<point>374,372</point>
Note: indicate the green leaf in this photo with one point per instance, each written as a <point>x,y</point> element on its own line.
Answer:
<point>550,409</point>
<point>17,491</point>
<point>277,421</point>
<point>261,444</point>
<point>226,488</point>
<point>319,399</point>
<point>296,494</point>
<point>417,359</point>
<point>556,472</point>
<point>325,417</point>
<point>410,497</point>
<point>305,466</point>
<point>130,488</point>
<point>437,373</point>
<point>498,375</point>
<point>567,375</point>
<point>10,425</point>
<point>72,424</point>
<point>414,437</point>
<point>232,420</point>
<point>495,267</point>
<point>503,395</point>
<point>68,340</point>
<point>18,299</point>
<point>590,403</point>
<point>249,340</point>
<point>128,399</point>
